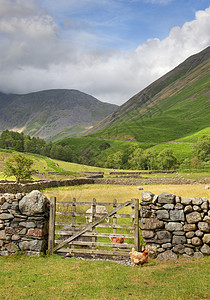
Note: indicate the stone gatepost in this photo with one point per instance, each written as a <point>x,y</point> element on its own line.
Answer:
<point>24,220</point>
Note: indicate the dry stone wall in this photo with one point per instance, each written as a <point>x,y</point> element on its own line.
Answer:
<point>172,226</point>
<point>24,222</point>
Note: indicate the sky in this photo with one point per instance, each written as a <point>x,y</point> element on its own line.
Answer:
<point>110,49</point>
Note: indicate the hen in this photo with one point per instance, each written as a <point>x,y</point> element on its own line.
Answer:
<point>119,240</point>
<point>139,258</point>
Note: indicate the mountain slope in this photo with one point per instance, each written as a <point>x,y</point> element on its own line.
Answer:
<point>174,106</point>
<point>52,114</point>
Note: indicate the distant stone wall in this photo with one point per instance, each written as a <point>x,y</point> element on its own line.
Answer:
<point>172,226</point>
<point>139,181</point>
<point>12,187</point>
<point>23,223</point>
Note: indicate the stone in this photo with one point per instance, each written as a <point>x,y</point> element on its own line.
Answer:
<point>206,238</point>
<point>23,231</point>
<point>155,199</point>
<point>162,214</point>
<point>2,235</point>
<point>207,187</point>
<point>167,245</point>
<point>24,245</point>
<point>173,226</point>
<point>179,233</point>
<point>6,205</point>
<point>177,199</point>
<point>199,233</point>
<point>168,206</point>
<point>177,215</point>
<point>190,227</point>
<point>204,226</point>
<point>11,247</point>
<point>15,237</point>
<point>160,250</point>
<point>164,236</point>
<point>190,234</point>
<point>198,255</point>
<point>205,249</point>
<point>188,209</point>
<point>32,253</point>
<point>6,216</point>
<point>33,203</point>
<point>186,256</point>
<point>179,206</point>
<point>196,208</point>
<point>147,196</point>
<point>152,250</point>
<point>193,217</point>
<point>196,241</point>
<point>4,253</point>
<point>166,198</point>
<point>205,206</point>
<point>2,200</point>
<point>37,245</point>
<point>1,226</point>
<point>189,251</point>
<point>189,241</point>
<point>178,239</point>
<point>28,224</point>
<point>35,232</point>
<point>167,255</point>
<point>151,223</point>
<point>140,188</point>
<point>197,201</point>
<point>147,234</point>
<point>186,201</point>
<point>179,249</point>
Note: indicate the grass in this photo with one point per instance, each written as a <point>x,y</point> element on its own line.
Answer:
<point>194,137</point>
<point>106,193</point>
<point>179,110</point>
<point>52,277</point>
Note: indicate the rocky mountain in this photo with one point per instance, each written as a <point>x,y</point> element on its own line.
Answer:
<point>172,107</point>
<point>52,114</point>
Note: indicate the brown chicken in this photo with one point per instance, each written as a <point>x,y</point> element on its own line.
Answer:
<point>139,258</point>
<point>119,240</point>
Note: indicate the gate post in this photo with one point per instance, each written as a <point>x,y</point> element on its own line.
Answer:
<point>136,224</point>
<point>51,237</point>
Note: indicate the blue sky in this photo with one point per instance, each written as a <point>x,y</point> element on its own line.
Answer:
<point>124,24</point>
<point>110,49</point>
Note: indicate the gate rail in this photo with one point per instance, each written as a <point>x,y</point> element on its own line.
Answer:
<point>58,245</point>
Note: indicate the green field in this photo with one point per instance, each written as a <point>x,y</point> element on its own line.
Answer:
<point>52,277</point>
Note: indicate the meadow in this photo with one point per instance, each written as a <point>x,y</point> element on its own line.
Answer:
<point>122,193</point>
<point>52,277</point>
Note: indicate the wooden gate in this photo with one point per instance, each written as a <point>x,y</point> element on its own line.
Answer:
<point>93,238</point>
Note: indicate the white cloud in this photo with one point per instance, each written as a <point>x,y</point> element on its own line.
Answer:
<point>35,55</point>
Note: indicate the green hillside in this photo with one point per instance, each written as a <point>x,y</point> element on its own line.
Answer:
<point>173,107</point>
<point>95,151</point>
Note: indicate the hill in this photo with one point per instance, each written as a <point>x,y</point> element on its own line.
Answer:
<point>173,107</point>
<point>52,114</point>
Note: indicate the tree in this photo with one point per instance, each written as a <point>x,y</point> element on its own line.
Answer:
<point>115,160</point>
<point>137,160</point>
<point>151,159</point>
<point>166,159</point>
<point>19,166</point>
<point>202,148</point>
